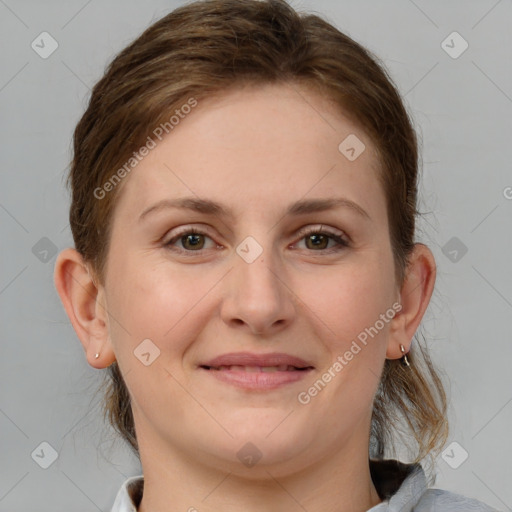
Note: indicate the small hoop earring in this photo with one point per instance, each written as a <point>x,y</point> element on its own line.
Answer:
<point>404,359</point>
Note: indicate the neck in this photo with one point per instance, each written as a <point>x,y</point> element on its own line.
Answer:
<point>178,481</point>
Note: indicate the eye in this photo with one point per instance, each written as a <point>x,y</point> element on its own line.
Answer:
<point>191,239</point>
<point>317,238</point>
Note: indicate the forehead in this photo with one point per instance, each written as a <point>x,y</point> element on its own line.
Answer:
<point>261,147</point>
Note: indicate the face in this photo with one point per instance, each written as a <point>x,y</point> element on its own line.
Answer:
<point>254,278</point>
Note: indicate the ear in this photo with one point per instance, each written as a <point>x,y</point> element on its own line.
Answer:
<point>85,306</point>
<point>414,297</point>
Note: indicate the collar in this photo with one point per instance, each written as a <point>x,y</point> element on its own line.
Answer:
<point>399,485</point>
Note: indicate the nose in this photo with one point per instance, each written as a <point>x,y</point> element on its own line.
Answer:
<point>256,296</point>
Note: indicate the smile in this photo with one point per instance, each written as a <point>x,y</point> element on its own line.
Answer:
<point>256,378</point>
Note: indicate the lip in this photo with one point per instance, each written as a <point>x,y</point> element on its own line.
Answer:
<point>252,359</point>
<point>253,378</point>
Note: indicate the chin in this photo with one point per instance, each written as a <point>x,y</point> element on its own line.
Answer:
<point>261,444</point>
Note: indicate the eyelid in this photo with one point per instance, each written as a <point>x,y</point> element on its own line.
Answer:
<point>322,228</point>
<point>181,230</point>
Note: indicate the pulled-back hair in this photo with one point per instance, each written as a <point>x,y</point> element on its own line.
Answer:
<point>209,47</point>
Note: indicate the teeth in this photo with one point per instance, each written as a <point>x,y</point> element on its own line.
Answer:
<point>266,369</point>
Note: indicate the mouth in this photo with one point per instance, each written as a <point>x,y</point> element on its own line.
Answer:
<point>256,372</point>
<point>263,369</point>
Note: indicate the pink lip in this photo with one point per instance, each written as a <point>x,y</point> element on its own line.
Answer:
<point>250,359</point>
<point>257,379</point>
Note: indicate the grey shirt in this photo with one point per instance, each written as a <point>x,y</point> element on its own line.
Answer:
<point>402,487</point>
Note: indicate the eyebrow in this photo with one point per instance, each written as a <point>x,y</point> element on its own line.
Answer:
<point>209,207</point>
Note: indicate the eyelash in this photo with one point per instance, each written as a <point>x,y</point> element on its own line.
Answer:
<point>342,242</point>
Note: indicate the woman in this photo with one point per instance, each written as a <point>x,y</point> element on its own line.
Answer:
<point>244,187</point>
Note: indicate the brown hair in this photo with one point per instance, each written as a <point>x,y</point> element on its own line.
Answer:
<point>210,46</point>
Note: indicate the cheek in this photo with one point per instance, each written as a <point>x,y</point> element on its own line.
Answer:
<point>156,301</point>
<point>346,300</point>
<point>152,301</point>
<point>348,308</point>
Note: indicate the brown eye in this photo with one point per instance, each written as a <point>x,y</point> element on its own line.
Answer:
<point>317,240</point>
<point>191,240</point>
<point>194,239</point>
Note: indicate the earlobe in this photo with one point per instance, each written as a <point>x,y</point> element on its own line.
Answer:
<point>415,296</point>
<point>83,301</point>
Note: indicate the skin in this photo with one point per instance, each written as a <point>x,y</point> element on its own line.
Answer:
<point>255,150</point>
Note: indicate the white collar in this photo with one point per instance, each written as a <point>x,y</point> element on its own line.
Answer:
<point>129,495</point>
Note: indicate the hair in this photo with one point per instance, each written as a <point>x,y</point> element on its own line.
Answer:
<point>212,46</point>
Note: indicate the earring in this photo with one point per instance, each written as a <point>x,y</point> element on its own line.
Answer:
<point>404,359</point>
<point>96,355</point>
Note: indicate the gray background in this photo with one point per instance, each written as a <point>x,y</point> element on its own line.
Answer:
<point>462,108</point>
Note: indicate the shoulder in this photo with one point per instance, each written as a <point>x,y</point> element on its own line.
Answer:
<point>403,488</point>
<point>434,500</point>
